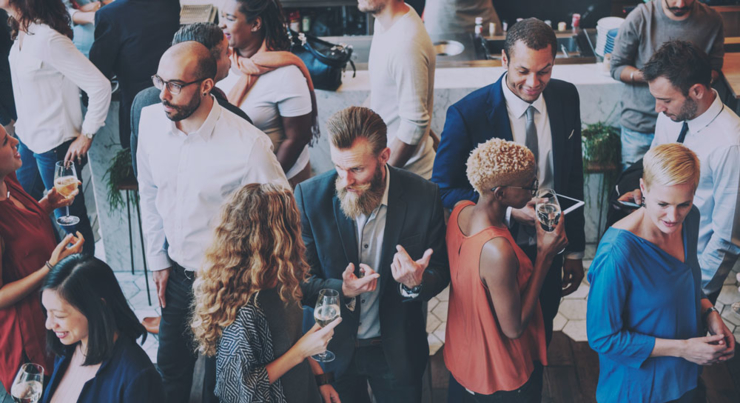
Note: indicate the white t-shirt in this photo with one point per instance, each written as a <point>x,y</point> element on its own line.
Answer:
<point>280,93</point>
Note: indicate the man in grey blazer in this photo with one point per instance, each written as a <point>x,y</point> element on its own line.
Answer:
<point>376,234</point>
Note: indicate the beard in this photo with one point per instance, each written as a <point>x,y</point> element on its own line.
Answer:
<point>688,111</point>
<point>365,199</point>
<point>182,112</point>
<point>369,8</point>
<point>679,11</point>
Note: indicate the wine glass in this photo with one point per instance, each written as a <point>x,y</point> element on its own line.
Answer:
<point>28,384</point>
<point>65,182</point>
<point>548,210</point>
<point>327,309</point>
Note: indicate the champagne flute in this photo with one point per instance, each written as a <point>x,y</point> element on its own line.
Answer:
<point>65,182</point>
<point>548,210</point>
<point>327,310</point>
<point>28,384</point>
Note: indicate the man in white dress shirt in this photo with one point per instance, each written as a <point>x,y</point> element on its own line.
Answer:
<point>192,155</point>
<point>679,75</point>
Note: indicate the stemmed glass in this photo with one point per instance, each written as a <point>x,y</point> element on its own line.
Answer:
<point>327,309</point>
<point>548,210</point>
<point>65,182</point>
<point>28,384</point>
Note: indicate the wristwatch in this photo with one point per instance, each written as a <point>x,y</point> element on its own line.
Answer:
<point>706,313</point>
<point>88,135</point>
<point>414,290</point>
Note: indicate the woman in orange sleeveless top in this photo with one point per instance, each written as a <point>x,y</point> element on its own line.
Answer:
<point>495,344</point>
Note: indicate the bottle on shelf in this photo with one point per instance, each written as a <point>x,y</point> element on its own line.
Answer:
<point>478,26</point>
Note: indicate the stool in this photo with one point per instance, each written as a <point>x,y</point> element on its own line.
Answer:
<point>131,187</point>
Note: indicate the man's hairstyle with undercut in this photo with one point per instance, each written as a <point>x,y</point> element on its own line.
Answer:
<point>681,63</point>
<point>350,124</point>
<point>208,34</point>
<point>534,33</point>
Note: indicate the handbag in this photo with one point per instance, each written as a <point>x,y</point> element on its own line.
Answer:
<point>325,61</point>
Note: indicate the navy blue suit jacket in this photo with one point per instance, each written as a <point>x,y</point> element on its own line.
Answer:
<point>130,38</point>
<point>482,115</point>
<point>415,220</point>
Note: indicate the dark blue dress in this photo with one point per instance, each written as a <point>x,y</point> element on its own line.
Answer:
<point>640,293</point>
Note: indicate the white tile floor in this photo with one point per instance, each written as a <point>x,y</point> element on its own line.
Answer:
<point>571,318</point>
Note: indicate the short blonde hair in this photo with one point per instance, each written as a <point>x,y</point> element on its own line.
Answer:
<point>499,162</point>
<point>671,164</point>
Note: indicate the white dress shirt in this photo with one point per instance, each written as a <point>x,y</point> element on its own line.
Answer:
<point>184,179</point>
<point>47,74</point>
<point>715,138</point>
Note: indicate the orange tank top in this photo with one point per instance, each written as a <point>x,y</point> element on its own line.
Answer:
<point>477,352</point>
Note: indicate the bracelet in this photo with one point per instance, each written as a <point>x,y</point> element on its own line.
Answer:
<point>48,265</point>
<point>706,313</point>
<point>324,379</point>
<point>632,77</point>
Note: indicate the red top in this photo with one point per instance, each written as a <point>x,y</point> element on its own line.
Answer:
<point>477,352</point>
<point>29,241</point>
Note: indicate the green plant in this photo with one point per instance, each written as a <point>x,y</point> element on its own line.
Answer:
<point>601,145</point>
<point>120,172</point>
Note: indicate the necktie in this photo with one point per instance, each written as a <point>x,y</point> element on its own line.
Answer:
<point>531,130</point>
<point>682,135</point>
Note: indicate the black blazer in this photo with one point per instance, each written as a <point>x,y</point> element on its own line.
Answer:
<point>130,38</point>
<point>415,220</point>
<point>482,115</point>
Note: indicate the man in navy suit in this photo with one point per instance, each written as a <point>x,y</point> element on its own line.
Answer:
<point>376,234</point>
<point>130,38</point>
<point>525,106</point>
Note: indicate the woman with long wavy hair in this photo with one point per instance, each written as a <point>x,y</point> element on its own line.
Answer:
<point>248,303</point>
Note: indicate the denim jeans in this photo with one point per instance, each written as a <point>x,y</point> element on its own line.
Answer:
<point>37,174</point>
<point>634,146</point>
<point>369,365</point>
<point>530,392</point>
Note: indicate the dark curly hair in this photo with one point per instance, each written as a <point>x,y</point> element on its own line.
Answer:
<point>534,33</point>
<point>50,12</point>
<point>273,22</point>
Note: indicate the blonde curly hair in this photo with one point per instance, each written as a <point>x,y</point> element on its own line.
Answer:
<point>499,162</point>
<point>257,245</point>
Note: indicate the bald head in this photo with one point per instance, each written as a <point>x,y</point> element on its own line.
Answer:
<point>187,61</point>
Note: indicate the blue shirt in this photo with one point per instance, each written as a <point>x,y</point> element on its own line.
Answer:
<point>127,377</point>
<point>640,293</point>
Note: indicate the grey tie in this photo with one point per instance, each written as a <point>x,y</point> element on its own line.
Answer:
<point>531,141</point>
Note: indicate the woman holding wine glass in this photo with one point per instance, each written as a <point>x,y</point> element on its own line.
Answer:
<point>647,316</point>
<point>28,249</point>
<point>495,340</point>
<point>248,310</point>
<point>93,331</point>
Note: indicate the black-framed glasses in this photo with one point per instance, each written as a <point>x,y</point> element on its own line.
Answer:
<point>533,188</point>
<point>173,87</point>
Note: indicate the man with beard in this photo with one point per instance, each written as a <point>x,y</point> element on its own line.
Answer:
<point>646,28</point>
<point>401,66</point>
<point>375,234</point>
<point>192,155</point>
<point>679,76</point>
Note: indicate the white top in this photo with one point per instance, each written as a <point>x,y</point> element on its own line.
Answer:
<point>280,93</point>
<point>74,379</point>
<point>47,74</point>
<point>401,67</point>
<point>185,179</point>
<point>517,109</point>
<point>715,138</point>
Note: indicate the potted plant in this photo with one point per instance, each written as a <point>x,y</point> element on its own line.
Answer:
<point>120,176</point>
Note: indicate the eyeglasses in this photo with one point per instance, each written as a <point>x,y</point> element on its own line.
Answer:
<point>535,186</point>
<point>173,87</point>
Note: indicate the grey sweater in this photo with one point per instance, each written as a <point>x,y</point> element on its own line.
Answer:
<point>645,30</point>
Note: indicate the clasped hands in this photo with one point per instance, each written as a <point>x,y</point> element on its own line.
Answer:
<point>405,270</point>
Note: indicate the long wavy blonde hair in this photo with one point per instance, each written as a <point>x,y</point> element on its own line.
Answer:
<point>257,245</point>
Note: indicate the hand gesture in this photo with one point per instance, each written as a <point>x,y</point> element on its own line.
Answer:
<point>634,196</point>
<point>704,350</point>
<point>64,249</point>
<point>717,327</point>
<point>551,243</point>
<point>56,200</point>
<point>160,280</point>
<point>407,271</point>
<point>78,149</point>
<point>526,215</point>
<point>316,339</point>
<point>329,394</point>
<point>353,286</point>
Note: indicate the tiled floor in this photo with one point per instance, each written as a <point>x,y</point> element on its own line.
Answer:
<point>571,318</point>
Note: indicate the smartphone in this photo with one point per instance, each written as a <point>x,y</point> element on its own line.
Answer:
<point>628,204</point>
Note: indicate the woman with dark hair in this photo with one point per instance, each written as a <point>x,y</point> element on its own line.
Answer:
<point>93,332</point>
<point>248,304</point>
<point>47,73</point>
<point>269,83</point>
<point>27,252</point>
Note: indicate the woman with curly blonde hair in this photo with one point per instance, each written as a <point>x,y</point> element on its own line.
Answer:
<point>248,312</point>
<point>495,344</point>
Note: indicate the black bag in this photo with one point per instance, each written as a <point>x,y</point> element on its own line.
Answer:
<point>325,61</point>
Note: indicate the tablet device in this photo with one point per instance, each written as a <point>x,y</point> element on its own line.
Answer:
<point>568,204</point>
